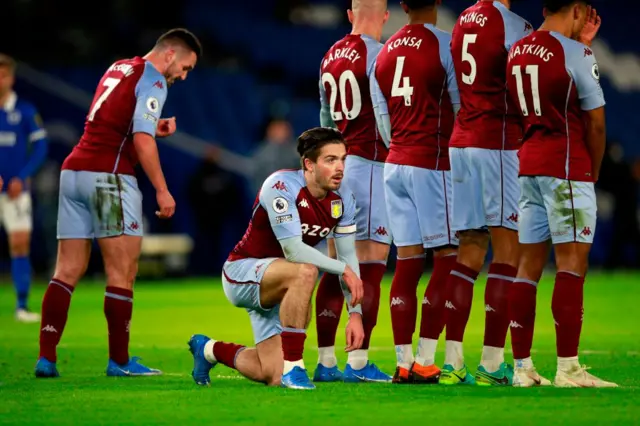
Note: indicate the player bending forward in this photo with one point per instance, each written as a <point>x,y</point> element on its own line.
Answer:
<point>273,270</point>
<point>553,76</point>
<point>414,92</point>
<point>346,104</point>
<point>484,171</point>
<point>99,195</point>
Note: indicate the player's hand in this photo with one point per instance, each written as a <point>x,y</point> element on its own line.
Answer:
<point>166,127</point>
<point>1,183</point>
<point>355,286</point>
<point>591,27</point>
<point>166,203</point>
<point>14,188</point>
<point>355,332</point>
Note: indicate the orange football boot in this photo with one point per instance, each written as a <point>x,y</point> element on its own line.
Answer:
<point>429,374</point>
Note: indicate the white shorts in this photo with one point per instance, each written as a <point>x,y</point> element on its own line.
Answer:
<point>485,188</point>
<point>241,283</point>
<point>16,215</point>
<point>418,206</point>
<point>562,210</point>
<point>98,205</point>
<point>365,179</point>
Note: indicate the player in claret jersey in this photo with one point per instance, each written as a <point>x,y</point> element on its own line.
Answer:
<point>484,170</point>
<point>415,93</point>
<point>346,104</point>
<point>99,195</point>
<point>273,270</point>
<point>553,77</point>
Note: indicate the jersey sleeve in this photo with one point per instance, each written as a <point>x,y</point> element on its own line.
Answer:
<point>35,127</point>
<point>583,68</point>
<point>151,94</point>
<point>278,198</point>
<point>380,109</point>
<point>347,223</point>
<point>325,110</point>
<point>515,28</point>
<point>444,41</point>
<point>373,48</point>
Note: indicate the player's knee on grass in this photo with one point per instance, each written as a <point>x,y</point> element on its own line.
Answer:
<point>473,248</point>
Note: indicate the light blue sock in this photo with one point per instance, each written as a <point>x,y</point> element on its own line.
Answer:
<point>21,275</point>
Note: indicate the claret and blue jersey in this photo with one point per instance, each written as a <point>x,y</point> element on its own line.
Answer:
<point>285,208</point>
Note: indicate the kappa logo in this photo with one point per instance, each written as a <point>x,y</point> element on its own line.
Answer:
<point>304,203</point>
<point>586,231</point>
<point>49,328</point>
<point>488,308</point>
<point>513,218</point>
<point>158,84</point>
<point>588,52</point>
<point>449,305</point>
<point>514,324</point>
<point>327,313</point>
<point>528,26</point>
<point>396,301</point>
<point>280,186</point>
<point>134,226</point>
<point>425,301</point>
<point>381,231</point>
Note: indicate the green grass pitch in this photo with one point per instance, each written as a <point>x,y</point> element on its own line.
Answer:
<point>167,313</point>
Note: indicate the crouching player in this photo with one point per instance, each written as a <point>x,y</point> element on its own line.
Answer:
<point>273,270</point>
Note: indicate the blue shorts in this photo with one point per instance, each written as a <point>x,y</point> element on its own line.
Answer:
<point>365,179</point>
<point>241,283</point>
<point>562,210</point>
<point>418,206</point>
<point>98,205</point>
<point>485,188</point>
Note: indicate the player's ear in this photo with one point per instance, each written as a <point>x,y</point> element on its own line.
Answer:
<point>350,15</point>
<point>386,17</point>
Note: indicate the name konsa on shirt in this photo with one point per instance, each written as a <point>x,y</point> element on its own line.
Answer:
<point>414,42</point>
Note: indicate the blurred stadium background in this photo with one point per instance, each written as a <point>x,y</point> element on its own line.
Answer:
<point>238,113</point>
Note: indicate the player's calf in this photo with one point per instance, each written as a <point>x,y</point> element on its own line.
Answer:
<point>73,257</point>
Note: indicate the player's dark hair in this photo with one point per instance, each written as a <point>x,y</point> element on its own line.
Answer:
<point>554,6</point>
<point>311,141</point>
<point>184,36</point>
<point>419,4</point>
<point>7,61</point>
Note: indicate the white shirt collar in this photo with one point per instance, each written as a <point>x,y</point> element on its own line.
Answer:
<point>10,104</point>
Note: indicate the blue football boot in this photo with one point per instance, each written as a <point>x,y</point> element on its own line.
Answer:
<point>326,374</point>
<point>369,373</point>
<point>46,368</point>
<point>297,379</point>
<point>131,368</point>
<point>201,366</point>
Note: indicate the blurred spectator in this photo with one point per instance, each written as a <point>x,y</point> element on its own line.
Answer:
<point>214,195</point>
<point>276,152</point>
<point>617,178</point>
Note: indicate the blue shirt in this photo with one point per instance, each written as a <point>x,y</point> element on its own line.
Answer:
<point>23,143</point>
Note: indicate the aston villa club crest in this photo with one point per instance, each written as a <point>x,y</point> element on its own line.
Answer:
<point>336,209</point>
